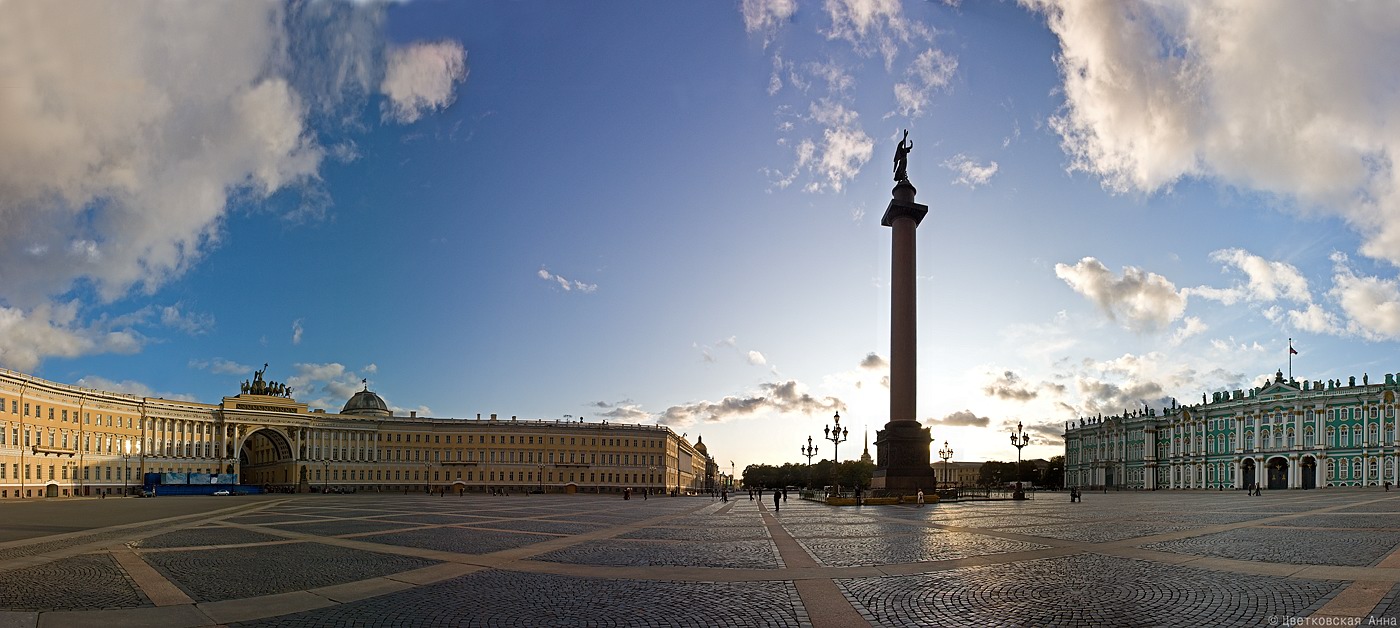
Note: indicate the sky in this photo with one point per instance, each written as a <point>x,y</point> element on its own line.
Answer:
<point>670,214</point>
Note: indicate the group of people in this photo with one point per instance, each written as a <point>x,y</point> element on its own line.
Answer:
<point>1074,495</point>
<point>1253,490</point>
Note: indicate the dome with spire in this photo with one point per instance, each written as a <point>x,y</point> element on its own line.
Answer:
<point>700,446</point>
<point>366,403</point>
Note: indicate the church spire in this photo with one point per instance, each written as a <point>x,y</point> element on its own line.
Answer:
<point>865,457</point>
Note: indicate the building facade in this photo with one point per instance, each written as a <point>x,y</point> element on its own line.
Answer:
<point>58,440</point>
<point>1284,434</point>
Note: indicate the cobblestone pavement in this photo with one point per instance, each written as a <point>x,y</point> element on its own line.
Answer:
<point>1187,558</point>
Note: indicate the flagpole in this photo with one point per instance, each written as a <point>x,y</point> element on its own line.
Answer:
<point>1290,359</point>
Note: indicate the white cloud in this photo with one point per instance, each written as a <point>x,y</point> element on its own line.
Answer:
<point>193,323</point>
<point>421,78</point>
<point>54,330</point>
<point>296,331</point>
<point>221,366</point>
<point>970,173</point>
<point>844,148</point>
<point>873,25</point>
<point>329,385</point>
<point>931,70</point>
<point>1371,304</point>
<point>1191,326</point>
<point>757,359</point>
<point>129,387</point>
<point>1144,301</point>
<point>1267,281</point>
<point>961,418</point>
<point>564,284</point>
<point>1281,98</point>
<point>128,128</point>
<point>766,16</point>
<point>786,397</point>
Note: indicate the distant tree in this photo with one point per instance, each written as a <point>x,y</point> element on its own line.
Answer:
<point>1054,476</point>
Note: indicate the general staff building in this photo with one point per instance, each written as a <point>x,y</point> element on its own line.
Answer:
<point>58,440</point>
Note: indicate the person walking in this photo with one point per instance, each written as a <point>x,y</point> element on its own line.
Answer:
<point>777,500</point>
<point>919,499</point>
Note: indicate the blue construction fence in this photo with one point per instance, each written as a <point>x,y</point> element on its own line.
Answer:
<point>158,484</point>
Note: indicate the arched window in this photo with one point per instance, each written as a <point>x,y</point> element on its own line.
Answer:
<point>1292,442</point>
<point>1331,468</point>
<point>1308,436</point>
<point>1344,438</point>
<point>1264,438</point>
<point>1331,436</point>
<point>1249,441</point>
<point>1355,468</point>
<point>1371,433</point>
<point>1232,441</point>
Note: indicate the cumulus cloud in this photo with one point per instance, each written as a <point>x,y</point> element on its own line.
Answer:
<point>1009,386</point>
<point>626,411</point>
<point>54,330</point>
<point>1278,98</point>
<point>296,331</point>
<point>1144,301</point>
<point>961,418</point>
<point>970,173</point>
<point>125,136</point>
<point>871,26</point>
<point>874,361</point>
<point>564,284</point>
<point>771,398</point>
<point>329,385</point>
<point>1266,281</point>
<point>1371,304</point>
<point>757,359</point>
<point>422,78</point>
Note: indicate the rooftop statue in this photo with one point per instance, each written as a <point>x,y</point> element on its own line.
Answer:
<point>901,158</point>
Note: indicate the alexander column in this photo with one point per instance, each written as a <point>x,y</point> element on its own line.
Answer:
<point>903,446</point>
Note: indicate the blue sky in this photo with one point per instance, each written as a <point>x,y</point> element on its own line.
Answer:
<point>671,215</point>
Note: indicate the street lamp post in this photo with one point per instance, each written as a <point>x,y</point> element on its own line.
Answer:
<point>126,468</point>
<point>836,435</point>
<point>946,454</point>
<point>542,479</point>
<point>325,474</point>
<point>427,489</point>
<point>1019,439</point>
<point>808,450</point>
<point>651,478</point>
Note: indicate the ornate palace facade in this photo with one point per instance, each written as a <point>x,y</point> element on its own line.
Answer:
<point>1285,434</point>
<point>60,440</point>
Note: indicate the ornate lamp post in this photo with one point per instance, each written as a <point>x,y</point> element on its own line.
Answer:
<point>325,474</point>
<point>808,450</point>
<point>836,435</point>
<point>427,489</point>
<point>126,468</point>
<point>1019,439</point>
<point>946,454</point>
<point>542,479</point>
<point>651,479</point>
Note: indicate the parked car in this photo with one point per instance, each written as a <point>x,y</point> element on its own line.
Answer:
<point>223,492</point>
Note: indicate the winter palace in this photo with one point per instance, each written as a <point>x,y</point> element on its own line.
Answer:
<point>58,440</point>
<point>1284,434</point>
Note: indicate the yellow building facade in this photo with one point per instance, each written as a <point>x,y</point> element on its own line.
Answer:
<point>60,440</point>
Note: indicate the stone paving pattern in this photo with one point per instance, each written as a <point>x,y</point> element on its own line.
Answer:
<point>559,560</point>
<point>221,574</point>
